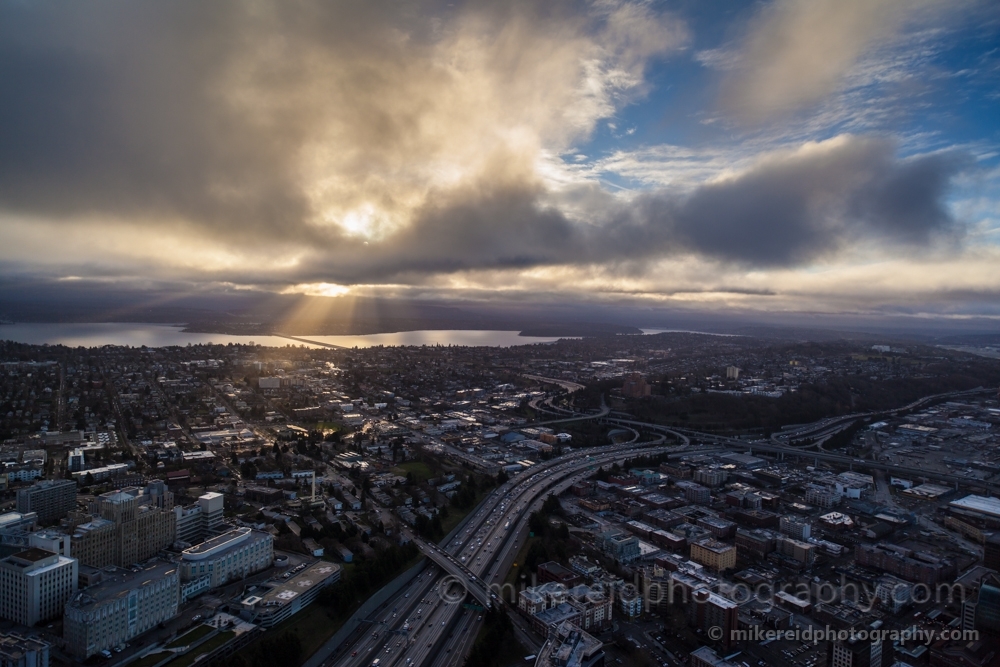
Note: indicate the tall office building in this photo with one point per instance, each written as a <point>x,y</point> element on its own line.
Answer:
<point>991,552</point>
<point>50,499</point>
<point>988,606</point>
<point>708,610</point>
<point>122,605</point>
<point>200,520</point>
<point>35,584</point>
<point>129,526</point>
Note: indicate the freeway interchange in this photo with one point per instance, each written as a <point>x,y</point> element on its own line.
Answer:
<point>433,620</point>
<point>426,623</point>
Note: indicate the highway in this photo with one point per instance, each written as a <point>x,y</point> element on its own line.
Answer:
<point>788,450</point>
<point>427,624</point>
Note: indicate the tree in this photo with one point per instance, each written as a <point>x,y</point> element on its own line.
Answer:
<point>248,470</point>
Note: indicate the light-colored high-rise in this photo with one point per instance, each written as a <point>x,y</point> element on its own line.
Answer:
<point>201,519</point>
<point>130,526</point>
<point>123,605</point>
<point>35,585</point>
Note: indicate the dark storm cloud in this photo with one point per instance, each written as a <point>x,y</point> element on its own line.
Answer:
<point>788,210</point>
<point>196,119</point>
<point>797,208</point>
<point>135,109</point>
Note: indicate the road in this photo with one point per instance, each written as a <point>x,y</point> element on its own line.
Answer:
<point>426,624</point>
<point>787,450</point>
<point>439,630</point>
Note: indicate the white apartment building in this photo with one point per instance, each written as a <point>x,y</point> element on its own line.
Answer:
<point>197,521</point>
<point>234,554</point>
<point>35,585</point>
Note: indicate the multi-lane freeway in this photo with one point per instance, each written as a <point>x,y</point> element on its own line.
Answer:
<point>433,621</point>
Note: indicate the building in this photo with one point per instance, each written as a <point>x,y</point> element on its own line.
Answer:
<point>99,474</point>
<point>622,547</point>
<point>553,571</point>
<point>732,373</point>
<point>52,540</point>
<point>754,544</point>
<point>15,528</point>
<point>710,477</point>
<point>289,597</point>
<point>822,496</point>
<point>991,552</point>
<point>893,594</point>
<point>796,528</point>
<point>122,605</point>
<point>93,542</point>
<point>142,523</point>
<point>719,528</point>
<point>200,519</point>
<point>905,563</point>
<point>858,653</point>
<point>635,386</point>
<point>714,554</point>
<point>50,499</point>
<point>803,552</point>
<point>262,494</point>
<point>232,555</point>
<point>630,601</point>
<point>19,651</point>
<point>705,656</point>
<point>987,609</point>
<point>570,646</point>
<point>35,585</point>
<point>984,508</point>
<point>76,461</point>
<point>550,604</point>
<point>695,493</point>
<point>708,610</point>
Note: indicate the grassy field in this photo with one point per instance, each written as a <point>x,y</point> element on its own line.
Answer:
<point>190,637</point>
<point>150,660</point>
<point>212,644</point>
<point>421,471</point>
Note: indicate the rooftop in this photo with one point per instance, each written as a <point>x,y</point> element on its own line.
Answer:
<point>313,576</point>
<point>980,504</point>
<point>116,581</point>
<point>33,554</point>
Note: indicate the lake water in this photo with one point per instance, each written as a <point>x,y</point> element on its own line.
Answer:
<point>161,335</point>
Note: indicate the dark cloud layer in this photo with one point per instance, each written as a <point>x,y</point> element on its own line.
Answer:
<point>197,116</point>
<point>788,210</point>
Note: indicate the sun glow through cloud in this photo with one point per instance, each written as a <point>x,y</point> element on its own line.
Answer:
<point>579,149</point>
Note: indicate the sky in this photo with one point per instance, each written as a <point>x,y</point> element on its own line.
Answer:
<point>782,156</point>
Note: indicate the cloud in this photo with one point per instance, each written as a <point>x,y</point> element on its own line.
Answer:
<point>255,123</point>
<point>792,208</point>
<point>410,146</point>
<point>798,52</point>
